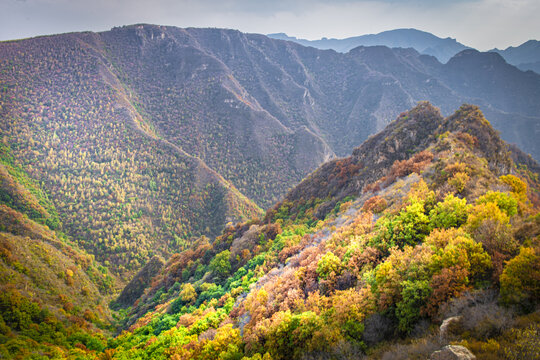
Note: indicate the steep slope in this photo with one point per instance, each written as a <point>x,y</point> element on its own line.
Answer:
<point>509,92</point>
<point>423,42</point>
<point>409,134</point>
<point>190,84</point>
<point>430,218</point>
<point>307,93</point>
<point>120,191</point>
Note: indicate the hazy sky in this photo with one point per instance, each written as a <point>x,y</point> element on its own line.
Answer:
<point>482,24</point>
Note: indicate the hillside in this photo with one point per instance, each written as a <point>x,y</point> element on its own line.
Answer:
<point>428,220</point>
<point>53,295</point>
<point>146,137</point>
<point>115,184</point>
<point>423,42</point>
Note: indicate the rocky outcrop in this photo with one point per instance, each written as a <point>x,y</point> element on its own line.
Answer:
<point>453,352</point>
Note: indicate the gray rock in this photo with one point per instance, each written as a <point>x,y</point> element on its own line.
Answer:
<point>447,325</point>
<point>453,352</point>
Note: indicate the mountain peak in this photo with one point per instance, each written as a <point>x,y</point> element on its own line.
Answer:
<point>470,119</point>
<point>525,56</point>
<point>491,57</point>
<point>413,132</point>
<point>422,41</point>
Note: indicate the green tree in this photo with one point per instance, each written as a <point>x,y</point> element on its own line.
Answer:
<point>221,264</point>
<point>409,227</point>
<point>329,266</point>
<point>520,280</point>
<point>505,202</point>
<point>518,186</point>
<point>414,295</point>
<point>452,212</point>
<point>188,294</point>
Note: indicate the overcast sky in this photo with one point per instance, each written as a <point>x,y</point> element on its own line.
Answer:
<point>483,24</point>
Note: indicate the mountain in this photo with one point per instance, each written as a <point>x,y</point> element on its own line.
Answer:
<point>423,42</point>
<point>146,137</point>
<point>429,221</point>
<point>525,56</point>
<point>485,85</point>
<point>121,191</point>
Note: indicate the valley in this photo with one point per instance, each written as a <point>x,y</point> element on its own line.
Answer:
<point>197,193</point>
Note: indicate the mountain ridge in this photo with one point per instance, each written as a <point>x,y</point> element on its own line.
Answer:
<point>324,250</point>
<point>525,56</point>
<point>235,117</point>
<point>424,42</point>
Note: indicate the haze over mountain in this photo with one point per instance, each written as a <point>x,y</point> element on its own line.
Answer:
<point>421,41</point>
<point>525,56</point>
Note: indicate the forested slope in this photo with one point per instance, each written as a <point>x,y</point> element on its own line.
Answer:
<point>142,135</point>
<point>366,259</point>
<point>53,295</point>
<point>119,190</point>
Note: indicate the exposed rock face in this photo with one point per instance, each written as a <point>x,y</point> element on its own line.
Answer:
<point>447,325</point>
<point>452,352</point>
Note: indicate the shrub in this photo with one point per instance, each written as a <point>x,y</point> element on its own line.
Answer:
<point>415,164</point>
<point>481,212</point>
<point>377,328</point>
<point>505,202</point>
<point>409,227</point>
<point>452,212</point>
<point>220,264</point>
<point>520,280</point>
<point>295,334</point>
<point>420,349</point>
<point>414,295</point>
<point>450,283</point>
<point>375,204</point>
<point>457,167</point>
<point>329,266</point>
<point>518,186</point>
<point>463,252</point>
<point>459,181</point>
<point>526,344</point>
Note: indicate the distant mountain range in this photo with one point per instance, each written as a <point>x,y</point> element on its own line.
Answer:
<point>525,56</point>
<point>421,41</point>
